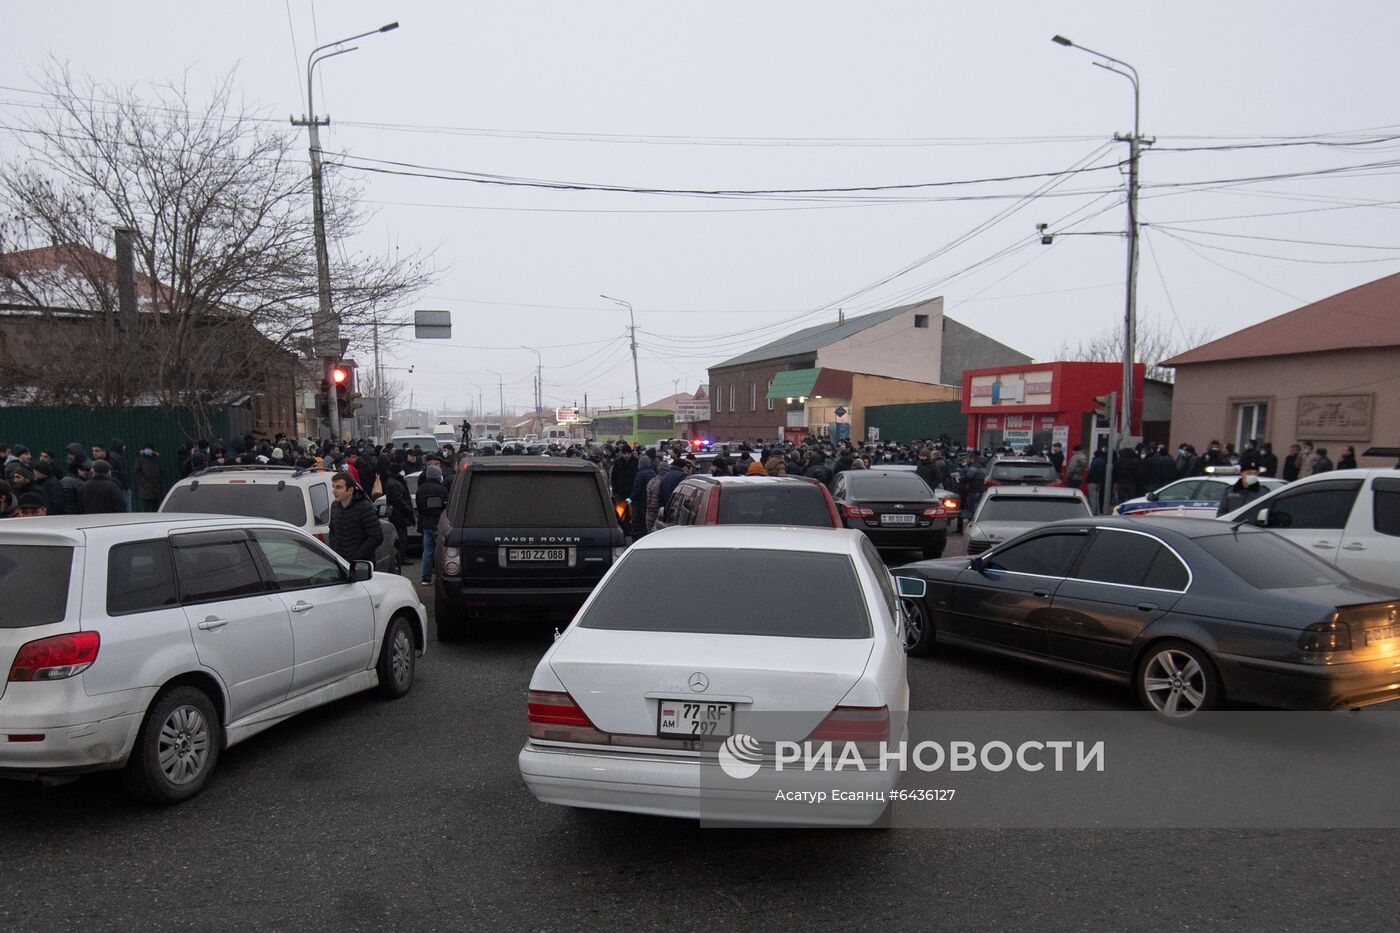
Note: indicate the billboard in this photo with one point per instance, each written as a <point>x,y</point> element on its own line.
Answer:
<point>693,410</point>
<point>566,415</point>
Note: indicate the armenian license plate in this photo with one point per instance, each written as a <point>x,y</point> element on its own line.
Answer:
<point>897,519</point>
<point>692,720</point>
<point>521,554</point>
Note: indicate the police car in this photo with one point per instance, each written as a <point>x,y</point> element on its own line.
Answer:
<point>1194,495</point>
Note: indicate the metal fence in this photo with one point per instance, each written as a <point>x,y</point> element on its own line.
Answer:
<point>55,427</point>
<point>917,420</point>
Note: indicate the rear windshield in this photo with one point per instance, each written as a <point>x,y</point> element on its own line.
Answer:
<point>1266,561</point>
<point>1024,472</point>
<point>820,598</point>
<point>251,500</point>
<point>791,503</point>
<point>33,584</point>
<point>1031,509</point>
<point>901,485</point>
<point>534,499</point>
<point>425,441</point>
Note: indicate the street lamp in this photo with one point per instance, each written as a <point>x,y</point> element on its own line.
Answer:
<point>632,331</point>
<point>325,329</point>
<point>1123,69</point>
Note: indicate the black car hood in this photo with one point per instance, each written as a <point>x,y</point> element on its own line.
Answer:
<point>944,568</point>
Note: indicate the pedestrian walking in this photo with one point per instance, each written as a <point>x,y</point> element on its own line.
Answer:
<point>431,500</point>
<point>355,532</point>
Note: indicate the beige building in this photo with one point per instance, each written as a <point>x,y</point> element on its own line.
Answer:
<point>1328,373</point>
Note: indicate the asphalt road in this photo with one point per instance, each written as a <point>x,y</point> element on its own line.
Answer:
<point>411,814</point>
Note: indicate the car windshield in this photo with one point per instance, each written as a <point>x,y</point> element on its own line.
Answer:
<point>534,499</point>
<point>821,597</point>
<point>1024,472</point>
<point>284,502</point>
<point>788,503</point>
<point>1266,561</point>
<point>422,441</point>
<point>866,484</point>
<point>1028,509</point>
<point>33,584</point>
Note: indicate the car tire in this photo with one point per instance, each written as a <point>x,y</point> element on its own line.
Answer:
<point>920,634</point>
<point>397,660</point>
<point>934,549</point>
<point>446,630</point>
<point>176,747</point>
<point>1177,679</point>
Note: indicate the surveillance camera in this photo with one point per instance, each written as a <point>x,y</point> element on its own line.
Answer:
<point>1041,227</point>
<point>1046,240</point>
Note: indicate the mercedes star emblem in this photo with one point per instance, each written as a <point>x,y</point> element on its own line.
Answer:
<point>699,682</point>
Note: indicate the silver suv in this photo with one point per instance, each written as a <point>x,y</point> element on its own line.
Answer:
<point>149,643</point>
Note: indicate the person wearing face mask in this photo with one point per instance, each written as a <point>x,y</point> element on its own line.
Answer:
<point>1242,492</point>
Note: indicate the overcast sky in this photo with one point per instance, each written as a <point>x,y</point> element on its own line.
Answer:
<point>782,95</point>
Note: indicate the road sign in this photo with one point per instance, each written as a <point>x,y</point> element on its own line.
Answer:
<point>432,325</point>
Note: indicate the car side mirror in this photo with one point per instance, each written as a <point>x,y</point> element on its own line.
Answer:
<point>1262,519</point>
<point>361,570</point>
<point>1151,497</point>
<point>977,563</point>
<point>911,587</point>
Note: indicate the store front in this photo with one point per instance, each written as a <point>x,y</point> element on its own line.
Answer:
<point>1033,407</point>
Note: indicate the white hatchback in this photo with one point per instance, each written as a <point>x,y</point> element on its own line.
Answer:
<point>151,642</point>
<point>639,709</point>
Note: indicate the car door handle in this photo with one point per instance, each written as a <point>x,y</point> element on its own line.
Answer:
<point>1043,594</point>
<point>302,606</point>
<point>211,623</point>
<point>1354,546</point>
<point>1147,607</point>
<point>1325,545</point>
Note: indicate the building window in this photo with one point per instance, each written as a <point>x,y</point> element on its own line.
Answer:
<point>1250,419</point>
<point>921,320</point>
<point>753,396</point>
<point>731,397</point>
<point>770,391</point>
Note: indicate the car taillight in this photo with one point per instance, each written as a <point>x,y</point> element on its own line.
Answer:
<point>951,504</point>
<point>939,512</point>
<point>55,658</point>
<point>854,724</point>
<point>621,509</point>
<point>857,511</point>
<point>555,716</point>
<point>989,483</point>
<point>450,561</point>
<point>712,508</point>
<point>1326,637</point>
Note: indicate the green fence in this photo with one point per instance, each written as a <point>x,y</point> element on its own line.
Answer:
<point>917,420</point>
<point>55,427</point>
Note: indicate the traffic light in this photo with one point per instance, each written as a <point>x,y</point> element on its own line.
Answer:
<point>346,398</point>
<point>1104,406</point>
<point>323,395</point>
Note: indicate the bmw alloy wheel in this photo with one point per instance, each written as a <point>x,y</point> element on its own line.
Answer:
<point>1175,683</point>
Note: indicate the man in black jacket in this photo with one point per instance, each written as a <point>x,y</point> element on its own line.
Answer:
<point>101,495</point>
<point>355,532</point>
<point>1241,492</point>
<point>148,485</point>
<point>431,500</point>
<point>48,485</point>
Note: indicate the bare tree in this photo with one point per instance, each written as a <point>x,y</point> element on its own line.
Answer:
<point>1155,342</point>
<point>219,201</point>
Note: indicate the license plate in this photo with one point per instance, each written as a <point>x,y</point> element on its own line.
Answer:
<point>1377,635</point>
<point>522,554</point>
<point>692,720</point>
<point>894,519</point>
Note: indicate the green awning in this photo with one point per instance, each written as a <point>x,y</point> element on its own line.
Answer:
<point>794,383</point>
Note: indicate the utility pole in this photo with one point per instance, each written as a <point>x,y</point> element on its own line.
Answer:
<point>383,422</point>
<point>325,328</point>
<point>632,335</point>
<point>501,401</point>
<point>1123,427</point>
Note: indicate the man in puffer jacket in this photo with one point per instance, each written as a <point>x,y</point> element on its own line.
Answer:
<point>355,532</point>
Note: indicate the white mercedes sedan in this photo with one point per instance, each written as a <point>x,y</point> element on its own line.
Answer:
<point>772,640</point>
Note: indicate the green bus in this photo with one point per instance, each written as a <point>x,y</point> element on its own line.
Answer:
<point>639,426</point>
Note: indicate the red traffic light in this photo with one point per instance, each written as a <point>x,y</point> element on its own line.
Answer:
<point>339,375</point>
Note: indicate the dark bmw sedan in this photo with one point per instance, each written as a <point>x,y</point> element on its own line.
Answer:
<point>895,509</point>
<point>1193,614</point>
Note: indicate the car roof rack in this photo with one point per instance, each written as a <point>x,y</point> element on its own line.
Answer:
<point>236,467</point>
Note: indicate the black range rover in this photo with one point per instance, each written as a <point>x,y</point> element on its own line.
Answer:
<point>525,538</point>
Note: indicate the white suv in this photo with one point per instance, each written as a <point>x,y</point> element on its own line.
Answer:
<point>152,642</point>
<point>1350,518</point>
<point>297,497</point>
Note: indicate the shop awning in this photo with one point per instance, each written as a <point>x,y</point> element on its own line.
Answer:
<point>794,383</point>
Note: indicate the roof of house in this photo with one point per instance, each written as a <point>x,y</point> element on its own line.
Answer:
<point>812,339</point>
<point>1365,316</point>
<point>71,259</point>
<point>671,401</point>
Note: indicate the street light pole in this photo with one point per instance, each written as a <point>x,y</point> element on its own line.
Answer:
<point>632,332</point>
<point>1135,142</point>
<point>325,328</point>
<point>539,387</point>
<point>501,389</point>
